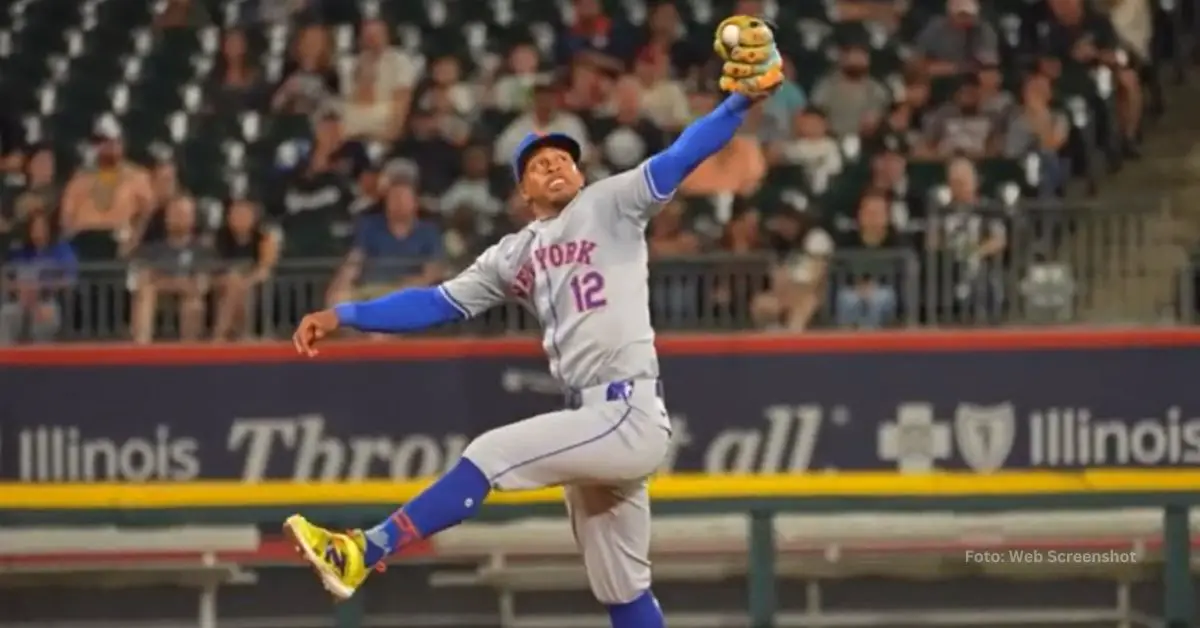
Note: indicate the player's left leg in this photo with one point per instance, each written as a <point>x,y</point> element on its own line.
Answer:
<point>620,436</point>
<point>612,529</point>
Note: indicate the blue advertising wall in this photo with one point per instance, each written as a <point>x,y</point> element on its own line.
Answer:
<point>84,415</point>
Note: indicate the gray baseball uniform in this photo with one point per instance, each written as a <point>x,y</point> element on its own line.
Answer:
<point>584,275</point>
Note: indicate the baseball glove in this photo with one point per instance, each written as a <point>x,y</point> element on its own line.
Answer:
<point>753,66</point>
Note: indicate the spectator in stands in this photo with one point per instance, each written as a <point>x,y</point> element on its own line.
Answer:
<point>967,242</point>
<point>177,266</point>
<point>513,90</point>
<point>749,7</point>
<point>994,100</point>
<point>917,95</point>
<point>1133,22</point>
<point>675,291</point>
<point>782,106</point>
<point>248,251</point>
<point>469,205</point>
<point>182,14</point>
<point>798,279</point>
<point>588,86</point>
<point>314,207</point>
<point>150,224</point>
<point>854,101</point>
<point>1048,65</point>
<point>386,173</point>
<point>738,168</point>
<point>738,280</point>
<point>517,214</point>
<point>378,98</point>
<point>956,42</point>
<point>810,147</point>
<point>601,39</point>
<point>473,189</point>
<point>446,81</point>
<point>870,299</point>
<point>662,99</point>
<point>664,34</point>
<point>961,126</point>
<point>889,177</point>
<point>453,124</point>
<point>1039,128</point>
<point>39,268</point>
<point>625,138</point>
<point>40,193</point>
<point>352,157</point>
<point>1084,38</point>
<point>896,132</point>
<point>102,200</point>
<point>392,250</point>
<point>368,189</point>
<point>435,141</point>
<point>310,78</point>
<point>544,116</point>
<point>669,234</point>
<point>234,84</point>
<point>886,12</point>
<point>962,183</point>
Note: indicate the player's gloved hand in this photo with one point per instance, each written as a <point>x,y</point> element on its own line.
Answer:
<point>753,66</point>
<point>312,329</point>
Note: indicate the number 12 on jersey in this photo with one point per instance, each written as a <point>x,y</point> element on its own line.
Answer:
<point>588,290</point>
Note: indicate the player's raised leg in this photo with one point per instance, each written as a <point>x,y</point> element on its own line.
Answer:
<point>612,529</point>
<point>621,439</point>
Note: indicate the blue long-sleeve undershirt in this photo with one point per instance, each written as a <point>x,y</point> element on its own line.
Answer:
<point>414,309</point>
<point>699,141</point>
<point>411,309</point>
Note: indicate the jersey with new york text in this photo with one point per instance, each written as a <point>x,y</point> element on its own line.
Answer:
<point>584,275</point>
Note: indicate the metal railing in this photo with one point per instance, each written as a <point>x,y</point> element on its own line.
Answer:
<point>1060,264</point>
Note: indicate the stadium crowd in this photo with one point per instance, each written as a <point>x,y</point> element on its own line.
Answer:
<point>316,152</point>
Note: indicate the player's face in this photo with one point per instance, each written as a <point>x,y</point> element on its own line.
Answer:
<point>551,178</point>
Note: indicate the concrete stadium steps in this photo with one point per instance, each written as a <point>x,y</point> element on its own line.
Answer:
<point>1132,265</point>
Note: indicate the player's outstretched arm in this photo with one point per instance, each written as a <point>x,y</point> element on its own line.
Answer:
<point>411,309</point>
<point>699,141</point>
<point>473,291</point>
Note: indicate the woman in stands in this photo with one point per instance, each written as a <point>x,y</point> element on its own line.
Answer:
<point>38,269</point>
<point>310,78</point>
<point>234,82</point>
<point>249,250</point>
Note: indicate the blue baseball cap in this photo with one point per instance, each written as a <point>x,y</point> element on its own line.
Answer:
<point>534,141</point>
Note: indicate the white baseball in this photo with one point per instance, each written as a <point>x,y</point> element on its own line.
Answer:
<point>730,35</point>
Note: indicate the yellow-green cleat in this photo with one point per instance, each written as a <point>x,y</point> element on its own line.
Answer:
<point>338,558</point>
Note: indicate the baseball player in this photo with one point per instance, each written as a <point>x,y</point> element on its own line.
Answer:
<point>581,267</point>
